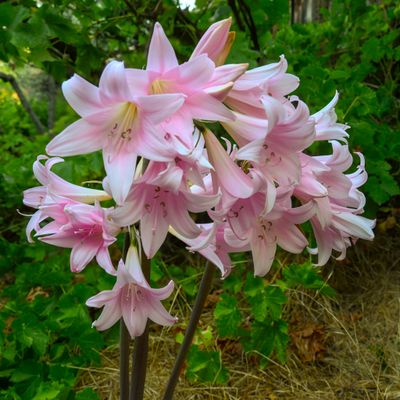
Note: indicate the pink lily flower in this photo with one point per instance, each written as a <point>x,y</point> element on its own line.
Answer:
<point>133,299</point>
<point>289,131</point>
<point>197,79</point>
<point>118,117</point>
<point>87,229</point>
<point>342,231</point>
<point>268,80</point>
<point>268,229</point>
<point>161,198</point>
<point>54,186</point>
<point>211,244</point>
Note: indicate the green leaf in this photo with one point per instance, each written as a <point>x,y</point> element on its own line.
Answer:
<point>205,366</point>
<point>227,316</point>
<point>307,276</point>
<point>48,391</point>
<point>87,394</point>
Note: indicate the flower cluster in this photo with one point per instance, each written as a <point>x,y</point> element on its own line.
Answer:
<point>163,163</point>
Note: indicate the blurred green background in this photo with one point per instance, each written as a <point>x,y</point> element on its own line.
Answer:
<point>352,46</point>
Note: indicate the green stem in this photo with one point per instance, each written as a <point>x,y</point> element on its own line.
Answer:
<point>124,340</point>
<point>140,352</point>
<point>198,306</point>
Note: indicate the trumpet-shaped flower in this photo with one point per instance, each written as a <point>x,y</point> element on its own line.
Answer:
<point>54,187</point>
<point>268,80</point>
<point>133,299</point>
<point>118,117</point>
<point>197,79</point>
<point>86,229</point>
<point>161,198</point>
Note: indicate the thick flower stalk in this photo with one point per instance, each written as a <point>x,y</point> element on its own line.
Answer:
<point>255,186</point>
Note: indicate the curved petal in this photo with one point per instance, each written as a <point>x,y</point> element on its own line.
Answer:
<point>230,176</point>
<point>82,254</point>
<point>196,73</point>
<point>153,230</point>
<point>102,298</point>
<point>120,170</point>
<point>109,316</point>
<point>158,314</point>
<point>80,137</point>
<point>104,260</point>
<point>81,95</point>
<point>113,84</point>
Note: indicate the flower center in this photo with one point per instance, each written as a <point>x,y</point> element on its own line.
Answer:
<point>122,129</point>
<point>133,295</point>
<point>160,86</point>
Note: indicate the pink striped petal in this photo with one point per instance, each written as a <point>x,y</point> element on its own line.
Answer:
<point>120,170</point>
<point>161,56</point>
<point>113,84</point>
<point>78,138</point>
<point>82,96</point>
<point>230,176</point>
<point>206,107</point>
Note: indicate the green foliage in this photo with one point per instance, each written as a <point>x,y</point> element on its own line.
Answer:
<point>257,318</point>
<point>45,326</point>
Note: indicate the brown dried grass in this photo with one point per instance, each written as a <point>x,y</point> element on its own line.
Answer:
<point>342,348</point>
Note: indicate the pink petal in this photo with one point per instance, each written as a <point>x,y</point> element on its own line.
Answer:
<point>246,127</point>
<point>199,202</point>
<point>80,137</point>
<point>82,254</point>
<point>153,229</point>
<point>158,314</point>
<point>120,170</point>
<point>33,224</point>
<point>170,178</point>
<point>161,56</point>
<point>109,316</point>
<point>113,84</point>
<point>196,73</point>
<point>62,239</point>
<point>162,293</point>
<point>290,238</point>
<point>133,267</point>
<point>181,221</point>
<point>354,225</point>
<point>263,250</point>
<point>324,242</point>
<point>230,176</point>
<point>135,318</point>
<point>214,40</point>
<point>206,107</point>
<point>102,298</point>
<point>157,107</point>
<point>104,260</point>
<point>138,80</point>
<point>227,73</point>
<point>82,96</point>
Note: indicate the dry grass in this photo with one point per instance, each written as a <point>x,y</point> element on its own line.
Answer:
<point>345,348</point>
